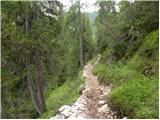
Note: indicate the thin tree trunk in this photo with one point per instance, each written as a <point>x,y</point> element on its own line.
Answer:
<point>31,84</point>
<point>39,79</point>
<point>32,89</point>
<point>38,74</point>
<point>80,37</point>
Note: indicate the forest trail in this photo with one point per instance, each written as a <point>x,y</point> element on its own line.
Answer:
<point>92,103</point>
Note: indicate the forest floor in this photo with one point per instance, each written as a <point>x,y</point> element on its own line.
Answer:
<point>92,103</point>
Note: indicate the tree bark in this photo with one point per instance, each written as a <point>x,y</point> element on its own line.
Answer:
<point>38,73</point>
<point>32,89</point>
<point>80,37</point>
<point>39,79</point>
<point>36,96</point>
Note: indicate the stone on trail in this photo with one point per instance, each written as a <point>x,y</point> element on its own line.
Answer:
<point>65,110</point>
<point>124,118</point>
<point>102,102</point>
<point>58,116</point>
<point>64,107</point>
<point>104,108</point>
<point>91,104</point>
<point>78,117</point>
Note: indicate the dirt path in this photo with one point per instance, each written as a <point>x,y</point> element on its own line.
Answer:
<point>96,94</point>
<point>92,104</point>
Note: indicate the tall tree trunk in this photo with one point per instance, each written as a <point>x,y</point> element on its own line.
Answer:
<point>80,37</point>
<point>31,84</point>
<point>38,73</point>
<point>39,79</point>
<point>32,89</point>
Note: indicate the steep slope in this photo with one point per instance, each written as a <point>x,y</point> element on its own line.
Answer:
<point>134,80</point>
<point>92,103</point>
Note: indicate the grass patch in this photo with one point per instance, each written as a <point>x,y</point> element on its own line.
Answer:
<point>65,94</point>
<point>135,81</point>
<point>137,98</point>
<point>115,74</point>
<point>133,95</point>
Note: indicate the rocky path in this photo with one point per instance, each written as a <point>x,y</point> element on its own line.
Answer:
<point>92,104</point>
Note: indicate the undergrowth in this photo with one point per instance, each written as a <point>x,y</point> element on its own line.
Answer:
<point>135,81</point>
<point>65,94</point>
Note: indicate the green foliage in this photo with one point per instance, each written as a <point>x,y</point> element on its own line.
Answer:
<point>145,60</point>
<point>15,100</point>
<point>137,98</point>
<point>122,37</point>
<point>118,31</point>
<point>115,74</point>
<point>7,81</point>
<point>135,82</point>
<point>132,91</point>
<point>19,40</point>
<point>27,28</point>
<point>93,60</point>
<point>65,94</point>
<point>71,36</point>
<point>104,21</point>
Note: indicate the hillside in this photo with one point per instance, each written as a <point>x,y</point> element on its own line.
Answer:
<point>135,81</point>
<point>58,60</point>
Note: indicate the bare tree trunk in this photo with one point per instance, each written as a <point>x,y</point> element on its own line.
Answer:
<point>80,37</point>
<point>39,79</point>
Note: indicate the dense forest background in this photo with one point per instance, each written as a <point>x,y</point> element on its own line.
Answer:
<point>45,47</point>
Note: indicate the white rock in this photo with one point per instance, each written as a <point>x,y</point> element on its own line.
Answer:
<point>74,109</point>
<point>59,116</point>
<point>81,108</point>
<point>73,114</point>
<point>124,118</point>
<point>66,113</point>
<point>75,118</point>
<point>102,102</point>
<point>104,108</point>
<point>65,110</point>
<point>64,107</point>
